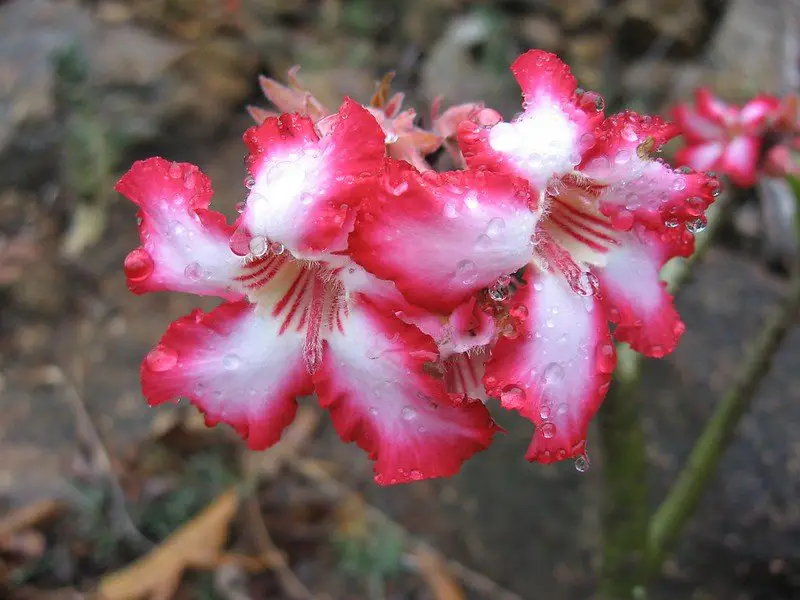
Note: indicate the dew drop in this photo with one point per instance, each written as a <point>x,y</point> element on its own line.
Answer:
<point>622,220</point>
<point>373,411</point>
<point>484,242</point>
<point>499,292</point>
<point>671,223</point>
<point>175,170</point>
<point>194,272</point>
<point>231,362</point>
<point>161,359</point>
<point>176,228</point>
<point>562,409</point>
<point>495,227</point>
<point>240,206</point>
<point>306,199</point>
<point>249,182</point>
<point>553,373</point>
<point>138,265</point>
<point>545,412</point>
<point>696,226</point>
<point>258,246</point>
<point>513,396</point>
<point>277,248</point>
<point>548,430</point>
<point>520,311</point>
<point>416,474</point>
<point>407,413</point>
<point>606,357</point>
<point>582,463</point>
<point>466,271</point>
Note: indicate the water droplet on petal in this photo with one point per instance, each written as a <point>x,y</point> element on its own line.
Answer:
<point>277,248</point>
<point>407,413</point>
<point>249,182</point>
<point>466,272</point>
<point>562,409</point>
<point>231,362</point>
<point>513,396</point>
<point>258,246</point>
<point>373,411</point>
<point>175,170</point>
<point>161,359</point>
<point>671,223</point>
<point>548,430</point>
<point>544,412</point>
<point>622,220</point>
<point>495,227</point>
<point>176,228</point>
<point>606,357</point>
<point>696,226</point>
<point>138,265</point>
<point>553,374</point>
<point>582,463</point>
<point>391,137</point>
<point>194,272</point>
<point>416,474</point>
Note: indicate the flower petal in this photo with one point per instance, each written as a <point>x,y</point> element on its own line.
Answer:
<point>740,160</point>
<point>714,109</point>
<point>639,187</point>
<point>375,381</point>
<point>756,113</point>
<point>305,188</point>
<point>544,140</point>
<point>633,295</point>
<point>236,365</point>
<point>696,128</point>
<point>701,157</point>
<point>557,373</point>
<point>440,237</point>
<point>184,245</point>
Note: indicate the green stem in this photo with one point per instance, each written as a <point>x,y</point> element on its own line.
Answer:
<point>678,506</point>
<point>624,510</point>
<point>670,518</point>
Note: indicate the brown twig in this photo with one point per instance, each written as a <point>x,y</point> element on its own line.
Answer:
<point>89,436</point>
<point>475,581</point>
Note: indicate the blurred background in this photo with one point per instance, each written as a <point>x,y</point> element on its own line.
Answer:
<point>86,87</point>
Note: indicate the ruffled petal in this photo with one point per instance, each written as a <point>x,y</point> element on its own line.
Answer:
<point>184,245</point>
<point>545,139</point>
<point>740,160</point>
<point>305,189</point>
<point>440,237</point>
<point>378,379</point>
<point>236,364</point>
<point>639,187</point>
<point>634,296</point>
<point>557,373</point>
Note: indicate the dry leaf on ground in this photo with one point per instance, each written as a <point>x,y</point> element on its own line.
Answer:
<point>197,545</point>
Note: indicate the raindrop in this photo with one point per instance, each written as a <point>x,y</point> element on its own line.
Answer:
<point>175,170</point>
<point>582,463</point>
<point>606,357</point>
<point>407,413</point>
<point>696,226</point>
<point>498,292</point>
<point>483,242</point>
<point>176,228</point>
<point>249,182</point>
<point>161,359</point>
<point>548,430</point>
<point>520,311</point>
<point>277,248</point>
<point>545,412</point>
<point>466,271</point>
<point>231,362</point>
<point>562,409</point>
<point>416,474</point>
<point>671,223</point>
<point>306,199</point>
<point>258,246</point>
<point>240,206</point>
<point>194,272</point>
<point>189,180</point>
<point>553,373</point>
<point>138,265</point>
<point>495,227</point>
<point>513,396</point>
<point>373,411</point>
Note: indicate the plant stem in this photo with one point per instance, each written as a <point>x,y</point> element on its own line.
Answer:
<point>683,497</point>
<point>624,509</point>
<point>669,519</point>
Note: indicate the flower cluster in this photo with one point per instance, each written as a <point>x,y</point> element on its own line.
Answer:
<point>760,137</point>
<point>407,298</point>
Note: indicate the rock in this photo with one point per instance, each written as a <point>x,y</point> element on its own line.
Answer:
<point>540,31</point>
<point>140,80</point>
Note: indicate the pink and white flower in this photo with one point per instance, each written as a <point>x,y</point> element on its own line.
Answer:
<point>570,209</point>
<point>725,138</point>
<point>300,316</point>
